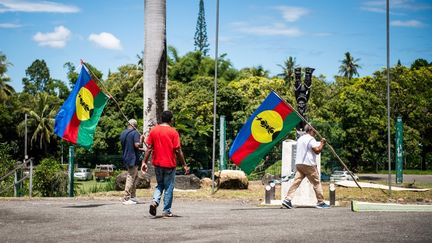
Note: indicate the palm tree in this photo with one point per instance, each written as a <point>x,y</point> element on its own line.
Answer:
<point>140,59</point>
<point>155,62</point>
<point>257,71</point>
<point>173,56</point>
<point>5,89</point>
<point>41,120</point>
<point>138,72</point>
<point>288,70</point>
<point>349,66</point>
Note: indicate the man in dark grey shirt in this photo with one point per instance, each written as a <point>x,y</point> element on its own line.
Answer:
<point>130,141</point>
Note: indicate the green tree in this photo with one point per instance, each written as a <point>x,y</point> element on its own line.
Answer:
<point>360,110</point>
<point>138,71</point>
<point>186,68</point>
<point>38,80</point>
<point>411,98</point>
<point>200,38</point>
<point>192,105</point>
<point>58,88</point>
<point>288,70</point>
<point>418,63</point>
<point>42,111</point>
<point>173,56</point>
<point>8,104</point>
<point>37,77</point>
<point>253,90</point>
<point>257,71</point>
<point>71,74</point>
<point>121,85</point>
<point>399,64</point>
<point>8,120</point>
<point>5,89</point>
<point>349,66</point>
<point>6,165</point>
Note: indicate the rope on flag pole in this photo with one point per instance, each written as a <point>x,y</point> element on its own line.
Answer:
<point>328,144</point>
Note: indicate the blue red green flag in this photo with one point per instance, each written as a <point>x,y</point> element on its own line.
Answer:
<point>269,124</point>
<point>78,117</point>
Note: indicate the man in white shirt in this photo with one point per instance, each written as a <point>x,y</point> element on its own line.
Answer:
<point>306,166</point>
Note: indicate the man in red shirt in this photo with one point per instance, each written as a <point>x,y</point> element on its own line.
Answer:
<point>164,145</point>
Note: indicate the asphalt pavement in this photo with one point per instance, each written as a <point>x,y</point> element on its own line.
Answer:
<point>104,220</point>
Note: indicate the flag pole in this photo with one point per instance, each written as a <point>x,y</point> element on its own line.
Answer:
<point>319,135</point>
<point>388,93</point>
<point>214,97</point>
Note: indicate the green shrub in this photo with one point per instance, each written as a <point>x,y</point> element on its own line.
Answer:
<point>6,165</point>
<point>110,186</point>
<point>50,179</point>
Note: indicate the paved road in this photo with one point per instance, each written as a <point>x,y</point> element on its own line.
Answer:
<point>102,220</point>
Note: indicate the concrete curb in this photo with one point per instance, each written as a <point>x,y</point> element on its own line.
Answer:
<point>357,206</point>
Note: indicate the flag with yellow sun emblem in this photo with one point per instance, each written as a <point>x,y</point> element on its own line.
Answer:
<point>269,124</point>
<point>78,117</point>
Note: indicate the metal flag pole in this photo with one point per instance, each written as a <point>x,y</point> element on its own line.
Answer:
<point>328,144</point>
<point>388,94</point>
<point>214,96</point>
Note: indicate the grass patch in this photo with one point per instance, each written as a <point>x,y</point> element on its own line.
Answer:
<point>92,186</point>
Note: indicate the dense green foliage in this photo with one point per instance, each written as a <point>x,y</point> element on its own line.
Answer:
<point>50,179</point>
<point>350,112</point>
<point>7,164</point>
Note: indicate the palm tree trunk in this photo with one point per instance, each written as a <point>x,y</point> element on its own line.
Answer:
<point>155,62</point>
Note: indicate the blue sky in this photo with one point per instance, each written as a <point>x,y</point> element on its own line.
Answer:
<point>110,33</point>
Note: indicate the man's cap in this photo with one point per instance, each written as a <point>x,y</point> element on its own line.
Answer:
<point>307,128</point>
<point>133,122</point>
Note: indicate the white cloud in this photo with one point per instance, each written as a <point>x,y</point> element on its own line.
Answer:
<point>56,39</point>
<point>379,6</point>
<point>9,26</point>
<point>408,23</point>
<point>413,5</point>
<point>36,6</point>
<point>273,30</point>
<point>292,14</point>
<point>106,40</point>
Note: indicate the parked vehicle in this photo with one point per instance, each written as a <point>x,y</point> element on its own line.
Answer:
<point>83,174</point>
<point>325,176</point>
<point>341,175</point>
<point>103,172</point>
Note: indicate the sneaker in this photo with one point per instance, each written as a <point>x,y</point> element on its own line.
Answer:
<point>322,205</point>
<point>129,202</point>
<point>168,215</point>
<point>134,199</point>
<point>153,207</point>
<point>287,203</point>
